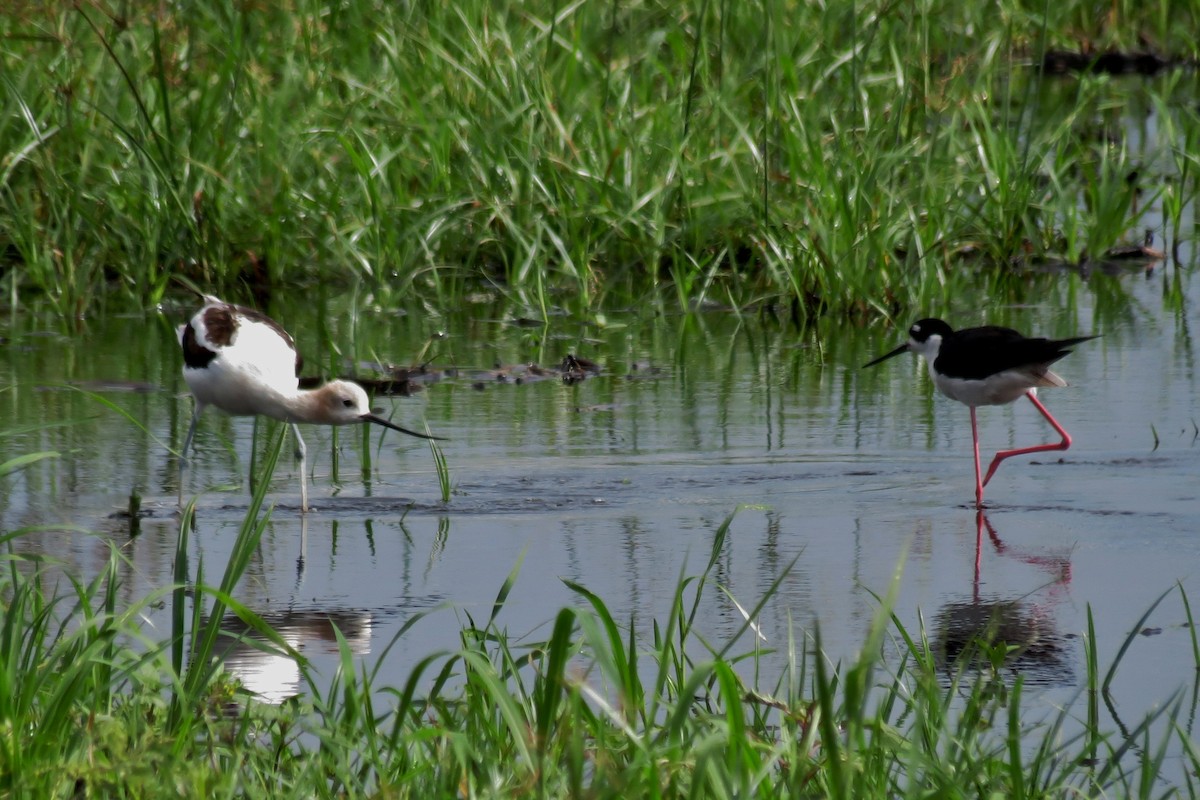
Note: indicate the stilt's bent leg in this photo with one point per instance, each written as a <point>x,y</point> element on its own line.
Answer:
<point>975,441</point>
<point>1041,448</point>
<point>302,451</point>
<point>187,443</point>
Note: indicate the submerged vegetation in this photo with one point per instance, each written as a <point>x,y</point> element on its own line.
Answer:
<point>844,157</point>
<point>92,706</point>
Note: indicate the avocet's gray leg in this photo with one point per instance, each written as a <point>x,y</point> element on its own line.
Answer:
<point>187,443</point>
<point>302,451</point>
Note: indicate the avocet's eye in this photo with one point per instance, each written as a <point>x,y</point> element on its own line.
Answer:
<point>348,402</point>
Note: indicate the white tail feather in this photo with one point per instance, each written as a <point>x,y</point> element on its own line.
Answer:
<point>1049,378</point>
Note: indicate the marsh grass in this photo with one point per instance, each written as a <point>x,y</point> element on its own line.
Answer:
<point>854,157</point>
<point>92,705</point>
<point>445,487</point>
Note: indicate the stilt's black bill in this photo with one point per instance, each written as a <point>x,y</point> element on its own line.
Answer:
<point>385,423</point>
<point>901,349</point>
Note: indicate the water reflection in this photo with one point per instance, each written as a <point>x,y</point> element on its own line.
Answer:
<point>619,484</point>
<point>273,675</point>
<point>1018,633</point>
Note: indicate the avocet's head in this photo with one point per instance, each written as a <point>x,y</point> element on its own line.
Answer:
<point>924,338</point>
<point>346,403</point>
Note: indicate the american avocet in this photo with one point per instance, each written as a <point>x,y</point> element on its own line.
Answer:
<point>989,366</point>
<point>244,363</point>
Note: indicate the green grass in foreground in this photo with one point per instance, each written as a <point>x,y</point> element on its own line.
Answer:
<point>595,710</point>
<point>857,157</point>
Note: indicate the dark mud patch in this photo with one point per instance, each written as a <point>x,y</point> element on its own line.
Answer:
<point>1110,62</point>
<point>1131,461</point>
<point>367,507</point>
<point>1063,509</point>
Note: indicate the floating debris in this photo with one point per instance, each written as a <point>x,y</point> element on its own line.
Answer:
<point>395,381</point>
<point>595,408</point>
<point>1146,251</point>
<point>405,381</point>
<point>641,370</point>
<point>575,368</point>
<point>1125,258</point>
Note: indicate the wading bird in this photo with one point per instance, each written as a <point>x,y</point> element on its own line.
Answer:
<point>244,363</point>
<point>988,366</point>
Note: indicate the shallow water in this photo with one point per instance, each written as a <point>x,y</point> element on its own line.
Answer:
<point>620,481</point>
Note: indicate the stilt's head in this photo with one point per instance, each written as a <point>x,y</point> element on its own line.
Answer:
<point>924,338</point>
<point>346,403</point>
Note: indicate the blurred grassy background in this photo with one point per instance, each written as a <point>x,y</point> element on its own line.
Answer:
<point>853,158</point>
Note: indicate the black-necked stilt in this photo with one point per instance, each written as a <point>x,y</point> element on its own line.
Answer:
<point>244,363</point>
<point>988,366</point>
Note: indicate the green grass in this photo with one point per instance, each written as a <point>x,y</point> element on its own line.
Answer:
<point>858,158</point>
<point>91,707</point>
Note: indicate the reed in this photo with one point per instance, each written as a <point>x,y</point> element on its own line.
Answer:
<point>855,158</point>
<point>90,705</point>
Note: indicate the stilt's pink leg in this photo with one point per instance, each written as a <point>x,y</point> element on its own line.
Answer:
<point>1041,448</point>
<point>980,519</point>
<point>975,441</point>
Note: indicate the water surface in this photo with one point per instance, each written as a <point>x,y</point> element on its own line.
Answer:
<point>619,482</point>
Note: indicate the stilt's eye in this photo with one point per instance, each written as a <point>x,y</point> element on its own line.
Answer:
<point>348,402</point>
